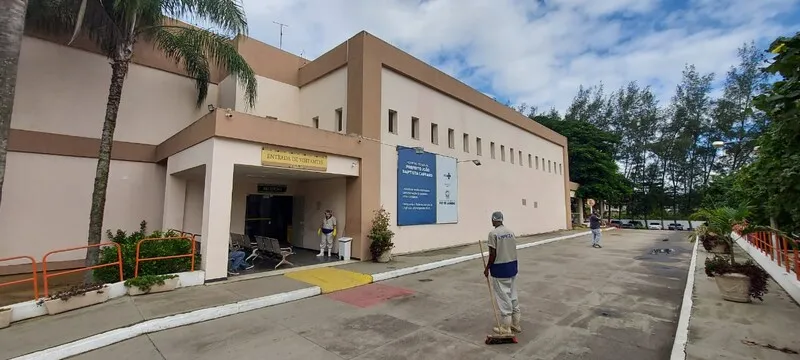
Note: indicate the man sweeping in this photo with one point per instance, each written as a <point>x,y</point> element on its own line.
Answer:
<point>502,266</point>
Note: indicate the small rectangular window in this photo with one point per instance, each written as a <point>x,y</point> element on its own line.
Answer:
<point>434,134</point>
<point>524,202</point>
<point>530,161</point>
<point>491,149</point>
<point>478,149</point>
<point>502,153</point>
<point>339,120</point>
<point>315,121</point>
<point>415,128</point>
<point>542,164</point>
<point>393,122</point>
<point>560,170</point>
<point>451,138</point>
<point>520,158</point>
<point>511,153</point>
<point>548,166</point>
<point>537,163</point>
<point>466,143</point>
<point>535,204</point>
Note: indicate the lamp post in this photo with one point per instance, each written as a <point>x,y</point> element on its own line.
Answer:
<point>476,162</point>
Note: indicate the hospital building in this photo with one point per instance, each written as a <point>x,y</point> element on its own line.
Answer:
<point>361,127</point>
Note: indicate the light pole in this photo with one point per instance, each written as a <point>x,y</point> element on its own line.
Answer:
<point>476,162</point>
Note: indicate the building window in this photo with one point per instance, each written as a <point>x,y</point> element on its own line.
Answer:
<point>434,134</point>
<point>535,204</point>
<point>530,161</point>
<point>524,202</point>
<point>339,120</point>
<point>466,143</point>
<point>520,158</point>
<point>511,153</point>
<point>451,138</point>
<point>315,122</point>
<point>393,122</point>
<point>491,149</point>
<point>560,170</point>
<point>415,128</point>
<point>537,163</point>
<point>548,166</point>
<point>478,149</point>
<point>542,164</point>
<point>502,153</point>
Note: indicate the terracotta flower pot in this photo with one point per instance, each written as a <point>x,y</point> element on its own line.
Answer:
<point>57,306</point>
<point>734,287</point>
<point>169,285</point>
<point>5,317</point>
<point>385,257</point>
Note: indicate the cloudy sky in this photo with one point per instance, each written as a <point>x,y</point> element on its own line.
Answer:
<point>538,51</point>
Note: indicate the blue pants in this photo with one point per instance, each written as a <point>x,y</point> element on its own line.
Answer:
<point>237,259</point>
<point>595,236</point>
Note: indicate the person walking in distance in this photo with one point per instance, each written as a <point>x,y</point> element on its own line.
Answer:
<point>594,224</point>
<point>502,266</point>
<point>327,233</point>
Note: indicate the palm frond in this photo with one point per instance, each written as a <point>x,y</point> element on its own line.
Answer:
<point>228,15</point>
<point>58,17</point>
<point>198,50</point>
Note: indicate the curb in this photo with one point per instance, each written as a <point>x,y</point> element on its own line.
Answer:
<point>682,333</point>
<point>111,337</point>
<point>94,342</point>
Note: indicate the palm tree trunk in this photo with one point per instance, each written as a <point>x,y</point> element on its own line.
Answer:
<point>12,26</point>
<point>119,69</point>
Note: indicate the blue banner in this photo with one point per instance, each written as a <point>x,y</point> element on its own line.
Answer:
<point>416,187</point>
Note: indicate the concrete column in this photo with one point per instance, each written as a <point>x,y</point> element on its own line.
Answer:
<point>174,202</point>
<point>580,210</point>
<point>217,199</point>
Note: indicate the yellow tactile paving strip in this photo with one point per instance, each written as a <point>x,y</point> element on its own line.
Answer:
<point>331,279</point>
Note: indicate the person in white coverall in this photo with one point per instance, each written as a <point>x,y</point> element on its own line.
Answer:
<point>327,233</point>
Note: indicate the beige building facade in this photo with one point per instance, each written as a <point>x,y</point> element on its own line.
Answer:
<point>324,134</point>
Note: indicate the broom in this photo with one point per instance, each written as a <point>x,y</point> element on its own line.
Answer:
<point>495,339</point>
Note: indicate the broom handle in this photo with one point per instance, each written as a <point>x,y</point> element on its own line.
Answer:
<point>491,293</point>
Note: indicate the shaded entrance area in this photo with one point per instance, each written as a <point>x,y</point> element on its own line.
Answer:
<point>269,212</point>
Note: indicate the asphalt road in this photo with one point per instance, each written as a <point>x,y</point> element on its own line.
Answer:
<point>618,302</point>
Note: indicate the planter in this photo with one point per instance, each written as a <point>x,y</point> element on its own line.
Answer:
<point>734,287</point>
<point>5,318</point>
<point>385,257</point>
<point>169,285</point>
<point>57,306</point>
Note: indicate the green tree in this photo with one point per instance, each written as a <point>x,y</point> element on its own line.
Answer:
<point>12,26</point>
<point>590,161</point>
<point>116,25</point>
<point>777,167</point>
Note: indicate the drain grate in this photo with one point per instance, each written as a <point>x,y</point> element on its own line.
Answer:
<point>661,251</point>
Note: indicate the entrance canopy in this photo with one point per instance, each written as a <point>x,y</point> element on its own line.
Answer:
<point>207,186</point>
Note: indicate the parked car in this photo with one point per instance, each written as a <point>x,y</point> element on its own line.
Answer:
<point>655,226</point>
<point>615,223</point>
<point>675,226</point>
<point>637,224</point>
<point>626,226</point>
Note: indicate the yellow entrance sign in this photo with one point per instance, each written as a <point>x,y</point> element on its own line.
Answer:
<point>293,159</point>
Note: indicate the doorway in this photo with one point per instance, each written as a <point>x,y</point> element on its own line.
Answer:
<point>269,216</point>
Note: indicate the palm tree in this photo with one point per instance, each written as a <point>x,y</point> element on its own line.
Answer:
<point>116,25</point>
<point>722,221</point>
<point>12,25</point>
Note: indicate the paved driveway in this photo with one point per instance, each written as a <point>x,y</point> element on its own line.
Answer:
<point>619,302</point>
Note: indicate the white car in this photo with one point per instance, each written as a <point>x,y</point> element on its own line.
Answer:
<point>655,226</point>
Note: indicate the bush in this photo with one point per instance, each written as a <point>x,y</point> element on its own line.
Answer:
<point>150,249</point>
<point>380,235</point>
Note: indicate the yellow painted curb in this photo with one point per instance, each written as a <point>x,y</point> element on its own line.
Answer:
<point>331,279</point>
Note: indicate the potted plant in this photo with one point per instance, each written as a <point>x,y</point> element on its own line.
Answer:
<point>5,317</point>
<point>381,237</point>
<point>711,241</point>
<point>150,284</point>
<point>736,282</point>
<point>76,297</point>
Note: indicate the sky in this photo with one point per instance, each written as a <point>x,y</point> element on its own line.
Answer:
<point>539,51</point>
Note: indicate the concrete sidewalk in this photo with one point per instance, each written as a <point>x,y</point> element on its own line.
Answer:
<point>45,332</point>
<point>720,329</point>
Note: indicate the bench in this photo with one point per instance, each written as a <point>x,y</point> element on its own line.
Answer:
<point>272,246</point>
<point>242,242</point>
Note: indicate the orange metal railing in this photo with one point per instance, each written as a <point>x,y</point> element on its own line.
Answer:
<point>32,279</point>
<point>783,251</point>
<point>191,254</point>
<point>46,276</point>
